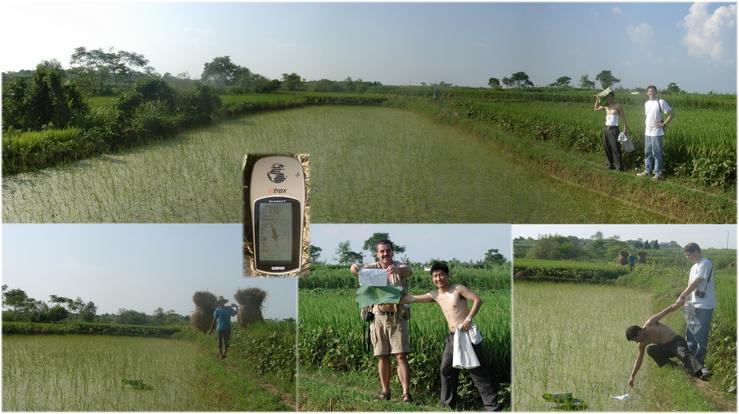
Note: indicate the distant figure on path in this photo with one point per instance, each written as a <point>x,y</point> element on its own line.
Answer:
<point>632,261</point>
<point>614,110</point>
<point>654,133</point>
<point>222,322</point>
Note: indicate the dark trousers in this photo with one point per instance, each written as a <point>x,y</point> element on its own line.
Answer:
<point>224,337</point>
<point>481,376</point>
<point>612,147</point>
<point>661,354</point>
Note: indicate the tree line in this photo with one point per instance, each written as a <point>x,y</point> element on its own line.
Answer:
<point>604,77</point>
<point>18,306</point>
<point>345,256</point>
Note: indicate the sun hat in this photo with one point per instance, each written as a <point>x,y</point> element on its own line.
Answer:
<point>221,301</point>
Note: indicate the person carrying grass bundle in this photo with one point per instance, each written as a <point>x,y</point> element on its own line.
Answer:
<point>662,343</point>
<point>614,110</point>
<point>389,329</point>
<point>452,299</point>
<point>222,322</point>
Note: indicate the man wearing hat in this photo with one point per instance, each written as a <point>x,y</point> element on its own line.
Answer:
<point>222,321</point>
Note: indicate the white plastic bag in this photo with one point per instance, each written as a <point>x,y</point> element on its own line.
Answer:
<point>626,142</point>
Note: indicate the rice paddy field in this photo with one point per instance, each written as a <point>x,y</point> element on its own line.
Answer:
<point>359,155</point>
<point>570,338</point>
<point>85,373</point>
<point>331,346</point>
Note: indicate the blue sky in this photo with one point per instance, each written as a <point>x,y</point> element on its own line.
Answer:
<point>693,45</point>
<point>423,242</point>
<point>135,266</point>
<point>706,235</point>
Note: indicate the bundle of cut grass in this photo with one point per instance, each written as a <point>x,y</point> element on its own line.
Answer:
<point>202,317</point>
<point>623,257</point>
<point>251,301</point>
<point>642,257</point>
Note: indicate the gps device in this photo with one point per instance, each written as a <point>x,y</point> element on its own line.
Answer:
<point>277,204</point>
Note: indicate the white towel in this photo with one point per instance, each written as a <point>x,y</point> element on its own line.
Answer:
<point>463,355</point>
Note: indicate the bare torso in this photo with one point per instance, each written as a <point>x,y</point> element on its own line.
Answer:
<point>453,305</point>
<point>658,334</point>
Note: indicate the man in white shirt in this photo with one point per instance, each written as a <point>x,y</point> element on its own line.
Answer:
<point>701,294</point>
<point>654,133</point>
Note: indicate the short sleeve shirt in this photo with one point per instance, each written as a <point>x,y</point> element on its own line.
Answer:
<point>653,111</point>
<point>222,317</point>
<point>702,270</point>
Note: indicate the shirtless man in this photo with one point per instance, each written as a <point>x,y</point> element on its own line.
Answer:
<point>611,145</point>
<point>665,344</point>
<point>390,327</point>
<point>452,300</point>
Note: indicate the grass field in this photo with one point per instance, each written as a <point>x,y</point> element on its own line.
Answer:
<point>570,338</point>
<point>357,154</point>
<point>84,373</point>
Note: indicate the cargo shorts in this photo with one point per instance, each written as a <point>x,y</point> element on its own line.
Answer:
<point>389,335</point>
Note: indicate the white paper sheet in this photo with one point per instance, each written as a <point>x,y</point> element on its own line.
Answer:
<point>372,277</point>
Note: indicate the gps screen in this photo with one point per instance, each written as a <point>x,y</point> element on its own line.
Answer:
<point>275,232</point>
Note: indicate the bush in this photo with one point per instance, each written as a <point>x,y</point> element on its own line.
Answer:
<point>569,271</point>
<point>45,101</point>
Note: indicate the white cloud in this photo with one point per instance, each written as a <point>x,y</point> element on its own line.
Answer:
<point>616,10</point>
<point>706,34</point>
<point>641,34</point>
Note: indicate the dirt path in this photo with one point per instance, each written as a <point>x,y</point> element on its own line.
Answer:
<point>716,397</point>
<point>286,399</point>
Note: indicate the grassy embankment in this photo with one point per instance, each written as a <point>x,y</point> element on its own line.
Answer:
<point>562,140</point>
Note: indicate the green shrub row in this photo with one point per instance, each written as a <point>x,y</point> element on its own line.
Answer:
<point>339,277</point>
<point>30,328</point>
<point>569,271</point>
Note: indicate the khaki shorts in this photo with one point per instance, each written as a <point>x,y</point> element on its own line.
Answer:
<point>389,335</point>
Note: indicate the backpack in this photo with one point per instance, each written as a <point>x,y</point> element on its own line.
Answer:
<point>368,316</point>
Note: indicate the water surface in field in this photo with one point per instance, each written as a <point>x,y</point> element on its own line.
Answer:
<point>368,164</point>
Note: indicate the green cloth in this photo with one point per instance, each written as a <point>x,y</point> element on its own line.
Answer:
<point>370,295</point>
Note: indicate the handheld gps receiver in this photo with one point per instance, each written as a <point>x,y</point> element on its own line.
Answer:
<point>277,202</point>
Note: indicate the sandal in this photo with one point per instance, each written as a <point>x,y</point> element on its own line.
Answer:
<point>407,398</point>
<point>383,395</point>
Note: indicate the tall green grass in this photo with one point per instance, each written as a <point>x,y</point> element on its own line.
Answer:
<point>331,332</point>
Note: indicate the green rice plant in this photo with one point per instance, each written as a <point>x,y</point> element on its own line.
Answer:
<point>83,373</point>
<point>195,176</point>
<point>570,338</point>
